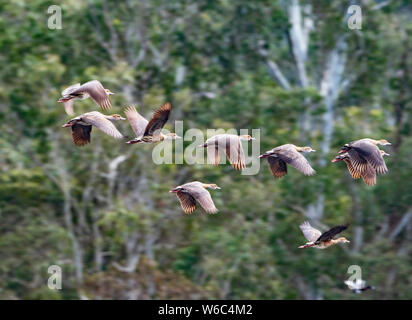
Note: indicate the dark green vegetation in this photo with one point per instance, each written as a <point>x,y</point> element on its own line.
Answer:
<point>103,212</point>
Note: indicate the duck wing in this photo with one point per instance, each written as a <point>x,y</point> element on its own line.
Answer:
<point>187,201</point>
<point>96,91</point>
<point>99,121</point>
<point>81,134</point>
<point>369,175</point>
<point>295,159</point>
<point>137,122</point>
<point>203,197</point>
<point>364,150</point>
<point>68,107</point>
<point>310,233</point>
<point>354,173</point>
<point>213,154</point>
<point>328,235</point>
<point>70,89</point>
<point>234,152</point>
<point>158,119</point>
<point>277,166</point>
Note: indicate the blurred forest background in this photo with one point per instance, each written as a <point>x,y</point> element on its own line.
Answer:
<point>103,212</point>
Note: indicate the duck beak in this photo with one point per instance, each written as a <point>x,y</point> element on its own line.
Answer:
<point>341,151</point>
<point>178,137</point>
<point>218,188</point>
<point>334,160</point>
<point>252,138</point>
<point>174,190</point>
<point>265,155</point>
<point>66,125</point>
<point>122,118</point>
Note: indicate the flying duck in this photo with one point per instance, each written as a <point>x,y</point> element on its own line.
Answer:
<point>191,192</point>
<point>320,240</point>
<point>93,89</point>
<point>369,173</point>
<point>358,286</point>
<point>366,151</point>
<point>279,157</point>
<point>82,126</point>
<point>232,146</point>
<point>149,131</point>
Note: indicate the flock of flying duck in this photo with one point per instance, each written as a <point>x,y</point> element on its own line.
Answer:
<point>363,157</point>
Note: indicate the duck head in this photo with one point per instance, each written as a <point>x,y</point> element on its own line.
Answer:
<point>342,240</point>
<point>108,92</point>
<point>246,137</point>
<point>115,117</point>
<point>171,136</point>
<point>384,142</point>
<point>212,186</point>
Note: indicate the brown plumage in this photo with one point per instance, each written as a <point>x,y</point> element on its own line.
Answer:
<point>232,146</point>
<point>365,151</point>
<point>279,157</point>
<point>82,126</point>
<point>320,240</point>
<point>192,192</point>
<point>149,131</point>
<point>93,89</point>
<point>368,174</point>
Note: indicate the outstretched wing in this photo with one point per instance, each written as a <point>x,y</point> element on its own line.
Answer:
<point>158,119</point>
<point>328,235</point>
<point>99,121</point>
<point>369,175</point>
<point>310,233</point>
<point>187,202</point>
<point>96,91</point>
<point>203,197</point>
<point>213,154</point>
<point>234,152</point>
<point>369,152</point>
<point>277,166</point>
<point>68,107</point>
<point>81,134</point>
<point>137,122</point>
<point>70,89</point>
<point>296,160</point>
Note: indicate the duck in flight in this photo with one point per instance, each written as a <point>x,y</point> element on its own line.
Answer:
<point>279,157</point>
<point>319,240</point>
<point>82,126</point>
<point>231,144</point>
<point>369,173</point>
<point>365,152</point>
<point>93,89</point>
<point>149,131</point>
<point>192,192</point>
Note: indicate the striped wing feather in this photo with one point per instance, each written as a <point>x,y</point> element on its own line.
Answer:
<point>369,152</point>
<point>81,134</point>
<point>158,119</point>
<point>234,152</point>
<point>328,235</point>
<point>277,166</point>
<point>187,202</point>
